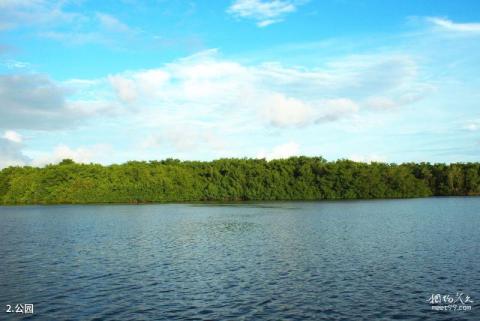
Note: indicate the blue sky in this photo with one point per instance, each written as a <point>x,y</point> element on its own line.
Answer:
<point>112,81</point>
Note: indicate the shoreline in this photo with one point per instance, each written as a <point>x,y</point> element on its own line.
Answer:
<point>229,203</point>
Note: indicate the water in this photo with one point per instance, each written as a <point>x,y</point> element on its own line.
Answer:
<point>346,260</point>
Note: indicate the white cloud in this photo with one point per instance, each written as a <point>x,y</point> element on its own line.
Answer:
<point>148,83</point>
<point>124,88</point>
<point>152,80</point>
<point>13,136</point>
<point>51,20</point>
<point>281,151</point>
<point>85,109</point>
<point>284,111</point>
<point>265,12</point>
<point>399,97</point>
<point>12,154</point>
<point>79,155</point>
<point>204,102</point>
<point>206,89</point>
<point>33,101</point>
<point>112,24</point>
<point>378,102</point>
<point>354,76</point>
<point>11,151</point>
<point>107,31</point>
<point>373,73</point>
<point>265,23</point>
<point>24,13</point>
<point>368,158</point>
<point>184,139</point>
<point>449,25</point>
<point>336,109</point>
<point>151,141</point>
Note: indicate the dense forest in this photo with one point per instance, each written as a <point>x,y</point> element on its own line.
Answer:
<point>296,178</point>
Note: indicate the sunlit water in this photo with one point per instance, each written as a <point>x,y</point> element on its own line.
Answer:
<point>345,260</point>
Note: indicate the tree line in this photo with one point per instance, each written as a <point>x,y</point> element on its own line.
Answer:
<point>295,178</point>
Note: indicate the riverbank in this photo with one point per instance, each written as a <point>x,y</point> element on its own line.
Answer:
<point>233,180</point>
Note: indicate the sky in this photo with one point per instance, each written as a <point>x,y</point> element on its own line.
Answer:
<point>113,81</point>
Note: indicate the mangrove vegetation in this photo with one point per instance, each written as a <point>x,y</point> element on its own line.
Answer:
<point>296,178</point>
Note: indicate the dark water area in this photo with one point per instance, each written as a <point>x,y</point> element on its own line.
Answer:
<point>345,260</point>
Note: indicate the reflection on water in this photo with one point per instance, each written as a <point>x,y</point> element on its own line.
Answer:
<point>275,205</point>
<point>229,227</point>
<point>270,261</point>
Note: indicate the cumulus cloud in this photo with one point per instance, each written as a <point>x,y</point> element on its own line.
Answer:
<point>206,89</point>
<point>124,88</point>
<point>147,83</point>
<point>336,109</point>
<point>11,151</point>
<point>202,101</point>
<point>79,155</point>
<point>284,111</point>
<point>13,136</point>
<point>281,151</point>
<point>265,12</point>
<point>33,101</point>
<point>449,25</point>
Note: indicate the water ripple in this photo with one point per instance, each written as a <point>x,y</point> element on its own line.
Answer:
<point>360,260</point>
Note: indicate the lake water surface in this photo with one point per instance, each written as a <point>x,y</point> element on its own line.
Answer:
<point>345,260</point>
